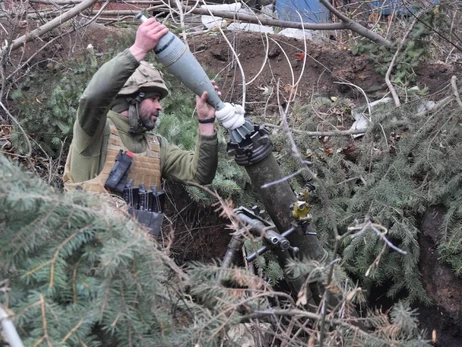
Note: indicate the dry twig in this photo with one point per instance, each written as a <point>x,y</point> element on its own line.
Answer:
<point>455,91</point>
<point>392,63</point>
<point>50,25</point>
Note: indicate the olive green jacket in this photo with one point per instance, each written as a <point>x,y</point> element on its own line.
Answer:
<point>91,132</point>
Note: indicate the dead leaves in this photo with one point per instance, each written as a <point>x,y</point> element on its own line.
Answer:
<point>300,56</point>
<point>5,135</point>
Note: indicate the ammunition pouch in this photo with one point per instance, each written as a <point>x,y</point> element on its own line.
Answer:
<point>152,220</point>
<point>146,205</point>
<point>119,173</point>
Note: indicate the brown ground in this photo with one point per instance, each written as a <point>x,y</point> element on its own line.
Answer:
<point>201,236</point>
<point>326,71</point>
<point>439,283</point>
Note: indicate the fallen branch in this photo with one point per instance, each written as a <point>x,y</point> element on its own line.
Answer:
<point>455,91</point>
<point>354,26</point>
<point>346,24</point>
<point>243,17</point>
<point>320,133</point>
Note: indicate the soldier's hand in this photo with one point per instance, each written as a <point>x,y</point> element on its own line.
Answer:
<point>147,37</point>
<point>204,110</point>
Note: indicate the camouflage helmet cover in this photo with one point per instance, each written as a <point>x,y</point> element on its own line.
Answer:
<point>145,78</point>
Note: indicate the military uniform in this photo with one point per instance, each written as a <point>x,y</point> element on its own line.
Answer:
<point>99,132</point>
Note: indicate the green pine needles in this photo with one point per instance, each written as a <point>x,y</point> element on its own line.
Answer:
<point>406,162</point>
<point>78,272</point>
<point>75,270</point>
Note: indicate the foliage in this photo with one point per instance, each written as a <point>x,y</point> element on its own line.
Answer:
<point>79,271</point>
<point>75,271</point>
<point>406,162</point>
<point>417,48</point>
<point>75,276</point>
<point>78,263</point>
<point>267,264</point>
<point>48,101</point>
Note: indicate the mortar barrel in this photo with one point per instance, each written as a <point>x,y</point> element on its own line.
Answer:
<point>277,199</point>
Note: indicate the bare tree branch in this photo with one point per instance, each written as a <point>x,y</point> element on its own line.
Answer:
<point>321,133</point>
<point>354,26</point>
<point>49,25</point>
<point>346,24</point>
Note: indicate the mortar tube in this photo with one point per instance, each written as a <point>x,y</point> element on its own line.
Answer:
<point>277,200</point>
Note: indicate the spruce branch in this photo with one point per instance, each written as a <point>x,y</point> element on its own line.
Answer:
<point>224,207</point>
<point>45,324</point>
<point>58,249</point>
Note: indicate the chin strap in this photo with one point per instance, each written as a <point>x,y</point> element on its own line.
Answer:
<point>136,127</point>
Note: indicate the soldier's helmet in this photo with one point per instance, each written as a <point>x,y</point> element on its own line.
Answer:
<point>146,78</point>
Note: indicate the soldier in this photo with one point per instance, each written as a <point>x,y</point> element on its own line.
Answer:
<point>116,113</point>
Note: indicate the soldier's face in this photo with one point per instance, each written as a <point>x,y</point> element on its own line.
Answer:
<point>149,110</point>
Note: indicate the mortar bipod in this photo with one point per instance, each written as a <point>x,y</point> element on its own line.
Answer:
<point>262,228</point>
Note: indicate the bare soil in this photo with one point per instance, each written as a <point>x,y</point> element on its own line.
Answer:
<point>328,71</point>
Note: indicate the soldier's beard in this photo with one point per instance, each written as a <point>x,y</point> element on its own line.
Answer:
<point>149,122</point>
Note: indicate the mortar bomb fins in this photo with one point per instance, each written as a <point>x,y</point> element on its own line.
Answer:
<point>239,134</point>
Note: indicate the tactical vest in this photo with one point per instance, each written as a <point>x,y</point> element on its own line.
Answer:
<point>145,168</point>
